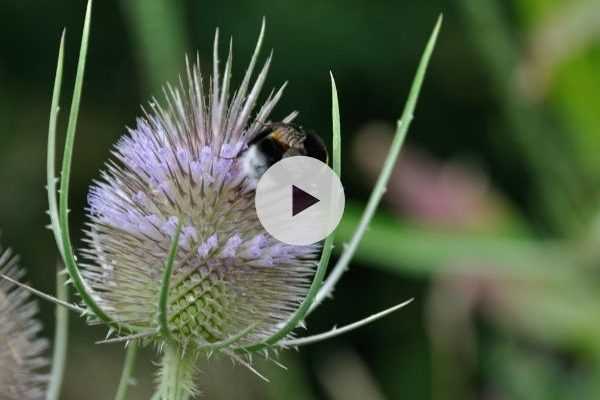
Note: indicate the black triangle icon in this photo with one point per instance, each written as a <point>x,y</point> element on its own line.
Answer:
<point>301,200</point>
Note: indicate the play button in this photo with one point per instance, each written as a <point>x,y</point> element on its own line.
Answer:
<point>299,200</point>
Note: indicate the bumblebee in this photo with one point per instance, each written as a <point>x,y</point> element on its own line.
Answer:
<point>277,141</point>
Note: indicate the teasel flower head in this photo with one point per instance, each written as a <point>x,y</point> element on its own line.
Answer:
<point>21,350</point>
<point>175,254</point>
<point>177,176</point>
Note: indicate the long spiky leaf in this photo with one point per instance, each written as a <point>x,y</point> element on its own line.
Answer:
<point>345,329</point>
<point>51,179</point>
<point>65,240</point>
<point>129,338</point>
<point>163,301</point>
<point>45,296</point>
<point>302,311</point>
<point>390,162</point>
<point>63,204</point>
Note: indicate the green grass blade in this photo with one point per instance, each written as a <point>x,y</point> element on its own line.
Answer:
<point>61,337</point>
<point>379,190</point>
<point>304,308</point>
<point>127,373</point>
<point>163,300</point>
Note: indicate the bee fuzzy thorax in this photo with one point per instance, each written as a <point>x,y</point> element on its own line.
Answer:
<point>275,142</point>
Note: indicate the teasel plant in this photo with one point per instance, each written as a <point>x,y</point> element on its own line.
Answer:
<point>174,255</point>
<point>23,353</point>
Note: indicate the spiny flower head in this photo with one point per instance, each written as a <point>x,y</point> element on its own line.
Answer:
<point>21,351</point>
<point>180,168</point>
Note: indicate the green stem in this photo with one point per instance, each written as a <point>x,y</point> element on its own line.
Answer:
<point>177,374</point>
<point>126,375</point>
<point>61,335</point>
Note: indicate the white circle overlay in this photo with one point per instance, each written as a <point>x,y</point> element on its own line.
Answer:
<point>274,200</point>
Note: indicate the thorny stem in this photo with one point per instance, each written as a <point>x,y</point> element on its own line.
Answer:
<point>61,335</point>
<point>126,375</point>
<point>177,374</point>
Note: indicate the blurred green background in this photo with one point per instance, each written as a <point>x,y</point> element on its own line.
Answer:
<point>491,220</point>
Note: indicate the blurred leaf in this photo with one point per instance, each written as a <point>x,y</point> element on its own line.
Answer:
<point>407,249</point>
<point>560,197</point>
<point>159,32</point>
<point>522,373</point>
<point>561,63</point>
